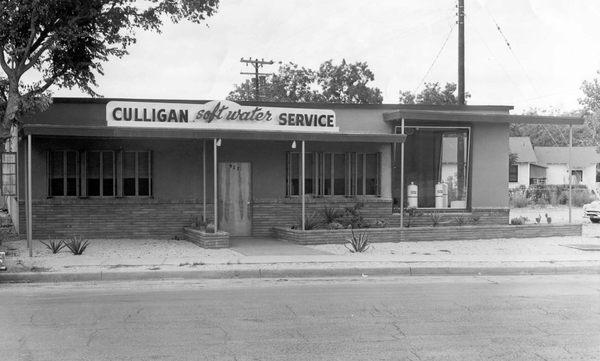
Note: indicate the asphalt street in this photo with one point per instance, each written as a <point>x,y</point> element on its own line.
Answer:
<point>404,318</point>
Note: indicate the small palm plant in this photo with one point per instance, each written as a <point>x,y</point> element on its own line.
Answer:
<point>358,243</point>
<point>54,246</point>
<point>77,245</point>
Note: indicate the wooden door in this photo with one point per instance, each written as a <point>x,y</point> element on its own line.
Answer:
<point>234,196</point>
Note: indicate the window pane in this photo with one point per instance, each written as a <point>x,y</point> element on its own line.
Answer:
<point>57,174</point>
<point>71,173</point>
<point>93,174</point>
<point>359,173</point>
<point>308,173</point>
<point>143,174</point>
<point>294,171</point>
<point>129,173</point>
<point>108,174</point>
<point>371,174</point>
<point>339,176</point>
<point>327,175</point>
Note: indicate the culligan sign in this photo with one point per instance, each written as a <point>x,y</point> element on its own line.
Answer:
<point>219,114</point>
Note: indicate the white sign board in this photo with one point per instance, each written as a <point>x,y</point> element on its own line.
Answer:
<point>219,114</point>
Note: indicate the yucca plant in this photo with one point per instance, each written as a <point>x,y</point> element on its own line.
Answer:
<point>331,214</point>
<point>311,221</point>
<point>358,243</point>
<point>77,245</point>
<point>435,219</point>
<point>54,246</point>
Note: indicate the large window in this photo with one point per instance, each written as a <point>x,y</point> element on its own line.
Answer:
<point>104,173</point>
<point>513,173</point>
<point>434,157</point>
<point>9,174</point>
<point>63,168</point>
<point>328,174</point>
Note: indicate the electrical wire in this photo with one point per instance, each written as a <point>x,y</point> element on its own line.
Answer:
<point>436,58</point>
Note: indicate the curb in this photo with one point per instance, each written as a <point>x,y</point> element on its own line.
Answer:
<point>44,277</point>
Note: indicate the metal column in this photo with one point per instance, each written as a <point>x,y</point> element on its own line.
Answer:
<point>215,182</point>
<point>570,171</point>
<point>28,200</point>
<point>402,180</point>
<point>302,189</point>
<point>204,181</point>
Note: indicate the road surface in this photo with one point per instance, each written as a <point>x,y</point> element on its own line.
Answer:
<point>410,318</point>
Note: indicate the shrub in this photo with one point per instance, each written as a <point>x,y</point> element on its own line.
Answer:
<point>518,199</point>
<point>54,246</point>
<point>411,213</point>
<point>331,214</point>
<point>334,225</point>
<point>435,219</point>
<point>310,222</point>
<point>358,243</point>
<point>380,223</point>
<point>460,220</point>
<point>198,222</point>
<point>352,217</point>
<point>517,221</point>
<point>77,245</point>
<point>475,219</point>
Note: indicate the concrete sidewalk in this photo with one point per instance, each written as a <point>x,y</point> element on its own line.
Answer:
<point>128,259</point>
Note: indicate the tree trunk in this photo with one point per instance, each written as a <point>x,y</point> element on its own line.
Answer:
<point>8,128</point>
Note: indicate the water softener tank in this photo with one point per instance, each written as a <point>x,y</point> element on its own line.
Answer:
<point>439,195</point>
<point>413,195</point>
<point>445,195</point>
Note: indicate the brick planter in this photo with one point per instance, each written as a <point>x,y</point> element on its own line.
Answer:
<point>449,233</point>
<point>207,240</point>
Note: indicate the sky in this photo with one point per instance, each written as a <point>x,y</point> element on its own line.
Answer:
<point>554,47</point>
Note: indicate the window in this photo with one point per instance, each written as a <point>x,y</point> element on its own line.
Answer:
<point>513,173</point>
<point>100,173</point>
<point>136,174</point>
<point>328,174</point>
<point>597,172</point>
<point>63,173</point>
<point>576,176</point>
<point>434,155</point>
<point>104,173</point>
<point>9,174</point>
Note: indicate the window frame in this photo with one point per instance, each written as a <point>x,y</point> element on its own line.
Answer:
<point>468,163</point>
<point>100,172</point>
<point>49,165</point>
<point>120,188</point>
<point>12,185</point>
<point>515,173</point>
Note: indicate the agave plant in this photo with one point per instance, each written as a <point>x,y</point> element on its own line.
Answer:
<point>54,246</point>
<point>77,245</point>
<point>358,243</point>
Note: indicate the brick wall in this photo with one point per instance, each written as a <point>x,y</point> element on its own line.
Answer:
<point>429,233</point>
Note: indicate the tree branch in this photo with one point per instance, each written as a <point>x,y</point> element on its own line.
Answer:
<point>36,56</point>
<point>47,84</point>
<point>27,49</point>
<point>7,69</point>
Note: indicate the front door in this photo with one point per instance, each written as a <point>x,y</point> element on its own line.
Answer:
<point>234,198</point>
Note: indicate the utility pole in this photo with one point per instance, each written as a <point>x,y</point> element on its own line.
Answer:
<point>460,141</point>
<point>256,64</point>
<point>461,52</point>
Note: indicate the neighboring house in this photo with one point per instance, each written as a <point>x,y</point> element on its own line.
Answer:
<point>526,170</point>
<point>585,165</point>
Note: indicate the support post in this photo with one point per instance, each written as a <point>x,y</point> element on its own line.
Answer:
<point>204,180</point>
<point>461,52</point>
<point>302,189</point>
<point>402,182</point>
<point>29,212</point>
<point>570,171</point>
<point>215,183</point>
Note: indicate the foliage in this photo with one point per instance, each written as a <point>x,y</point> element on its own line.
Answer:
<point>65,42</point>
<point>432,94</point>
<point>411,213</point>
<point>54,246</point>
<point>331,83</point>
<point>77,245</point>
<point>380,223</point>
<point>353,218</point>
<point>311,221</point>
<point>517,221</point>
<point>548,218</point>
<point>358,243</point>
<point>542,195</point>
<point>460,220</point>
<point>331,214</point>
<point>198,222</point>
<point>435,219</point>
<point>475,219</point>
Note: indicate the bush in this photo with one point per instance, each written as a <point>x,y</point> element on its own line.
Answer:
<point>517,221</point>
<point>518,199</point>
<point>331,214</point>
<point>435,219</point>
<point>54,246</point>
<point>77,245</point>
<point>310,222</point>
<point>358,243</point>
<point>460,220</point>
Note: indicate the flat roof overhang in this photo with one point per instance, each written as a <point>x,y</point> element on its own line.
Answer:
<point>477,117</point>
<point>131,132</point>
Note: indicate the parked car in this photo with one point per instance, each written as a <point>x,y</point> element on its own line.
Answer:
<point>592,211</point>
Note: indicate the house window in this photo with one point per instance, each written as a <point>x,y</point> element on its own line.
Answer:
<point>577,176</point>
<point>513,173</point>
<point>9,174</point>
<point>597,172</point>
<point>136,174</point>
<point>63,173</point>
<point>100,173</point>
<point>327,174</point>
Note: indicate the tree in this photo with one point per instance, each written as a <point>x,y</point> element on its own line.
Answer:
<point>591,108</point>
<point>548,135</point>
<point>344,83</point>
<point>432,94</point>
<point>292,83</point>
<point>65,42</point>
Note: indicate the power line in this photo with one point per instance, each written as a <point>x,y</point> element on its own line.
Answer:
<point>256,64</point>
<point>436,58</point>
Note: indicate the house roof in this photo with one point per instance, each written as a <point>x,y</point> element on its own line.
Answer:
<point>521,146</point>
<point>581,157</point>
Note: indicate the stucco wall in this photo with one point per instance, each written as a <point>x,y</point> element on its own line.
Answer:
<point>489,171</point>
